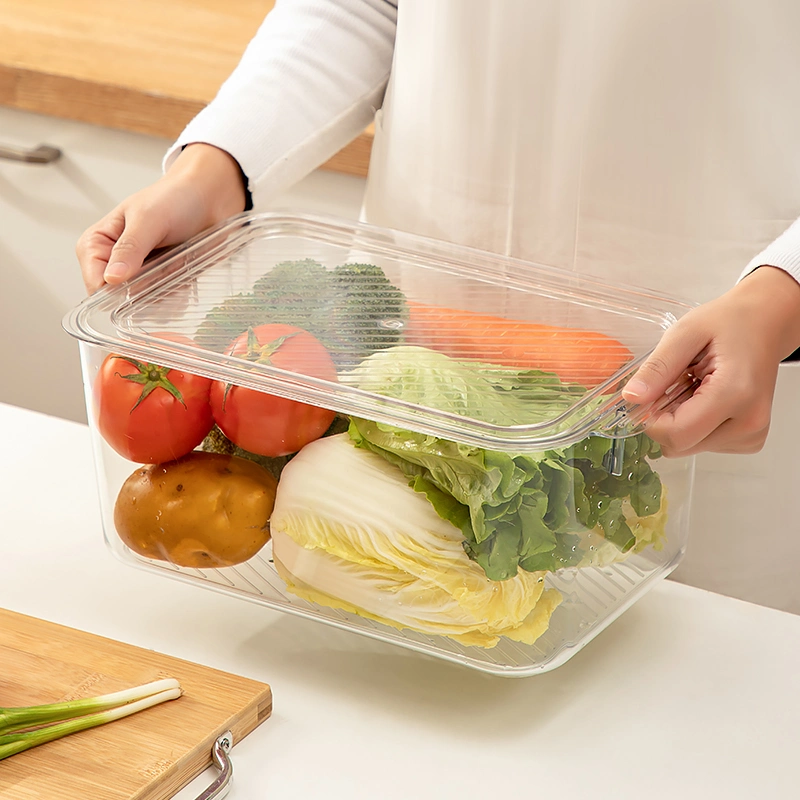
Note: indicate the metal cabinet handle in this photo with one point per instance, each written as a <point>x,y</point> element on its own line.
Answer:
<point>222,784</point>
<point>42,154</point>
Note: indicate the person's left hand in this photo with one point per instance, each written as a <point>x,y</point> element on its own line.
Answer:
<point>732,346</point>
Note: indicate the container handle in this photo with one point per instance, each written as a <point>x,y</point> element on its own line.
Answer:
<point>624,420</point>
<point>219,753</point>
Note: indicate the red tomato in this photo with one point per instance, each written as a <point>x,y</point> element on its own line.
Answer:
<point>148,413</point>
<point>263,423</point>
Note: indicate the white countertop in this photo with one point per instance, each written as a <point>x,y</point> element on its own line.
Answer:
<point>688,695</point>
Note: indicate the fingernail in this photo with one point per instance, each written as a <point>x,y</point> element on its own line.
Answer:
<point>115,271</point>
<point>635,388</point>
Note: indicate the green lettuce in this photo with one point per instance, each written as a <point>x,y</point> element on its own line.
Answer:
<point>484,392</point>
<point>527,511</point>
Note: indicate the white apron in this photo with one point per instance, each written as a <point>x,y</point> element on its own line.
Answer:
<point>654,143</point>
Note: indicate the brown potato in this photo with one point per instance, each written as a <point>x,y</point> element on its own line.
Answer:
<point>202,510</point>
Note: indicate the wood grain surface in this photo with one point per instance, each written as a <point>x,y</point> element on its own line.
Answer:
<point>146,66</point>
<point>147,756</point>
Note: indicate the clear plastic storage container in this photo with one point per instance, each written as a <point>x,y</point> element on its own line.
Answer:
<point>417,442</point>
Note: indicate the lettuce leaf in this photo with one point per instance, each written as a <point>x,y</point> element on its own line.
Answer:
<point>484,392</point>
<point>516,510</point>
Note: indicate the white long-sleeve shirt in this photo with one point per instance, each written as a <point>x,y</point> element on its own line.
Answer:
<point>309,82</point>
<point>635,141</point>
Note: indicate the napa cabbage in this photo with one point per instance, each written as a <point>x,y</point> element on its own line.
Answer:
<point>350,533</point>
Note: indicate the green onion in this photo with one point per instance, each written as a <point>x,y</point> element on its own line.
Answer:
<point>23,728</point>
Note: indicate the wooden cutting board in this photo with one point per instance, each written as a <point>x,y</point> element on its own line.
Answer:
<point>147,756</point>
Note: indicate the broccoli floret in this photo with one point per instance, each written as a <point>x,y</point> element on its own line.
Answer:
<point>353,310</point>
<point>340,424</point>
<point>217,442</point>
<point>227,321</point>
<point>295,293</point>
<point>370,312</point>
<point>292,293</point>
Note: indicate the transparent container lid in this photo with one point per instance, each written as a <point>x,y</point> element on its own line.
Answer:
<point>542,353</point>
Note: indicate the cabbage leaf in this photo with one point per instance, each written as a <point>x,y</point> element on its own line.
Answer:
<point>349,533</point>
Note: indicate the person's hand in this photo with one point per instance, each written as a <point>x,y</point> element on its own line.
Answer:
<point>202,187</point>
<point>732,346</point>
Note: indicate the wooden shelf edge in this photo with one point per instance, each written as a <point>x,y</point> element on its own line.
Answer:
<point>131,110</point>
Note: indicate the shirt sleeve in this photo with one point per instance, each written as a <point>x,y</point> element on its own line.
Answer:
<point>783,253</point>
<point>308,83</point>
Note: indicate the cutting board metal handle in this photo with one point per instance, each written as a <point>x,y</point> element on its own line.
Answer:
<point>219,753</point>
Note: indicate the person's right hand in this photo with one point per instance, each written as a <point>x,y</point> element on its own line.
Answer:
<point>203,186</point>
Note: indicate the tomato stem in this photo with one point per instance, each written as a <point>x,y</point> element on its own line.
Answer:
<point>262,353</point>
<point>151,377</point>
<point>258,353</point>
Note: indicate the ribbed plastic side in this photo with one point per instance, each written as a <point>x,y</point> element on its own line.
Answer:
<point>592,599</point>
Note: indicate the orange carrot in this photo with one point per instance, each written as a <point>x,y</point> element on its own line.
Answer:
<point>577,356</point>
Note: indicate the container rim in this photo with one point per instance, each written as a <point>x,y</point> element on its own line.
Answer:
<point>611,418</point>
